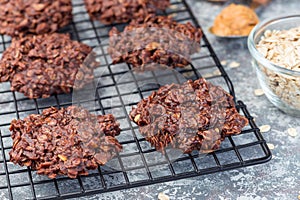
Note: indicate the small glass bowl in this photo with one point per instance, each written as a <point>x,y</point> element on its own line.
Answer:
<point>281,85</point>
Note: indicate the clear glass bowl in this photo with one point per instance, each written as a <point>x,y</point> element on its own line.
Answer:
<point>281,85</point>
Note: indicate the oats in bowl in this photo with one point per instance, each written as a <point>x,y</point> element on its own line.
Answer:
<point>275,47</point>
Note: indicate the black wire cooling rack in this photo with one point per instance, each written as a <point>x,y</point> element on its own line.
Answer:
<point>136,166</point>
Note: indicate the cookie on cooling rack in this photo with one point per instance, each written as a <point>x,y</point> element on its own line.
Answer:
<point>111,11</point>
<point>193,116</point>
<point>42,65</point>
<point>19,17</point>
<point>68,141</point>
<point>155,39</point>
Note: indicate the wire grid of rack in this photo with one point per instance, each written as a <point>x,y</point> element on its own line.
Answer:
<point>248,148</point>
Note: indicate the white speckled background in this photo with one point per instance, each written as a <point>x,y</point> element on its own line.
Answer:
<point>277,179</point>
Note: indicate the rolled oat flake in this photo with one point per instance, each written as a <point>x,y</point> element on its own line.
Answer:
<point>265,128</point>
<point>162,196</point>
<point>271,146</point>
<point>292,132</point>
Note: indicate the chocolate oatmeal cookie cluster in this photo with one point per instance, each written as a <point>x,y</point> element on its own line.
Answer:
<point>155,39</point>
<point>19,17</point>
<point>68,141</point>
<point>193,116</point>
<point>116,11</point>
<point>43,65</point>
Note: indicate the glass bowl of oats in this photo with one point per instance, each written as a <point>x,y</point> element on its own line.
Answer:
<point>275,47</point>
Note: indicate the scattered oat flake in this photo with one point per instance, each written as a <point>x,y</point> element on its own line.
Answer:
<point>223,62</point>
<point>234,64</point>
<point>207,75</point>
<point>271,146</point>
<point>292,132</point>
<point>259,92</point>
<point>217,72</point>
<point>162,196</point>
<point>265,128</point>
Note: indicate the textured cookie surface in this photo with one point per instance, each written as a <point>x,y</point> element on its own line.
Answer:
<point>20,17</point>
<point>68,141</point>
<point>111,11</point>
<point>193,116</point>
<point>156,39</point>
<point>43,65</point>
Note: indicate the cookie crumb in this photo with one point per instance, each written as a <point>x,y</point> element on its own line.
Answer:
<point>259,92</point>
<point>265,128</point>
<point>234,64</point>
<point>292,132</point>
<point>271,146</point>
<point>162,196</point>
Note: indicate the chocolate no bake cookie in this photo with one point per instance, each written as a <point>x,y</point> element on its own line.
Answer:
<point>68,141</point>
<point>19,17</point>
<point>193,116</point>
<point>42,65</point>
<point>156,39</point>
<point>110,11</point>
